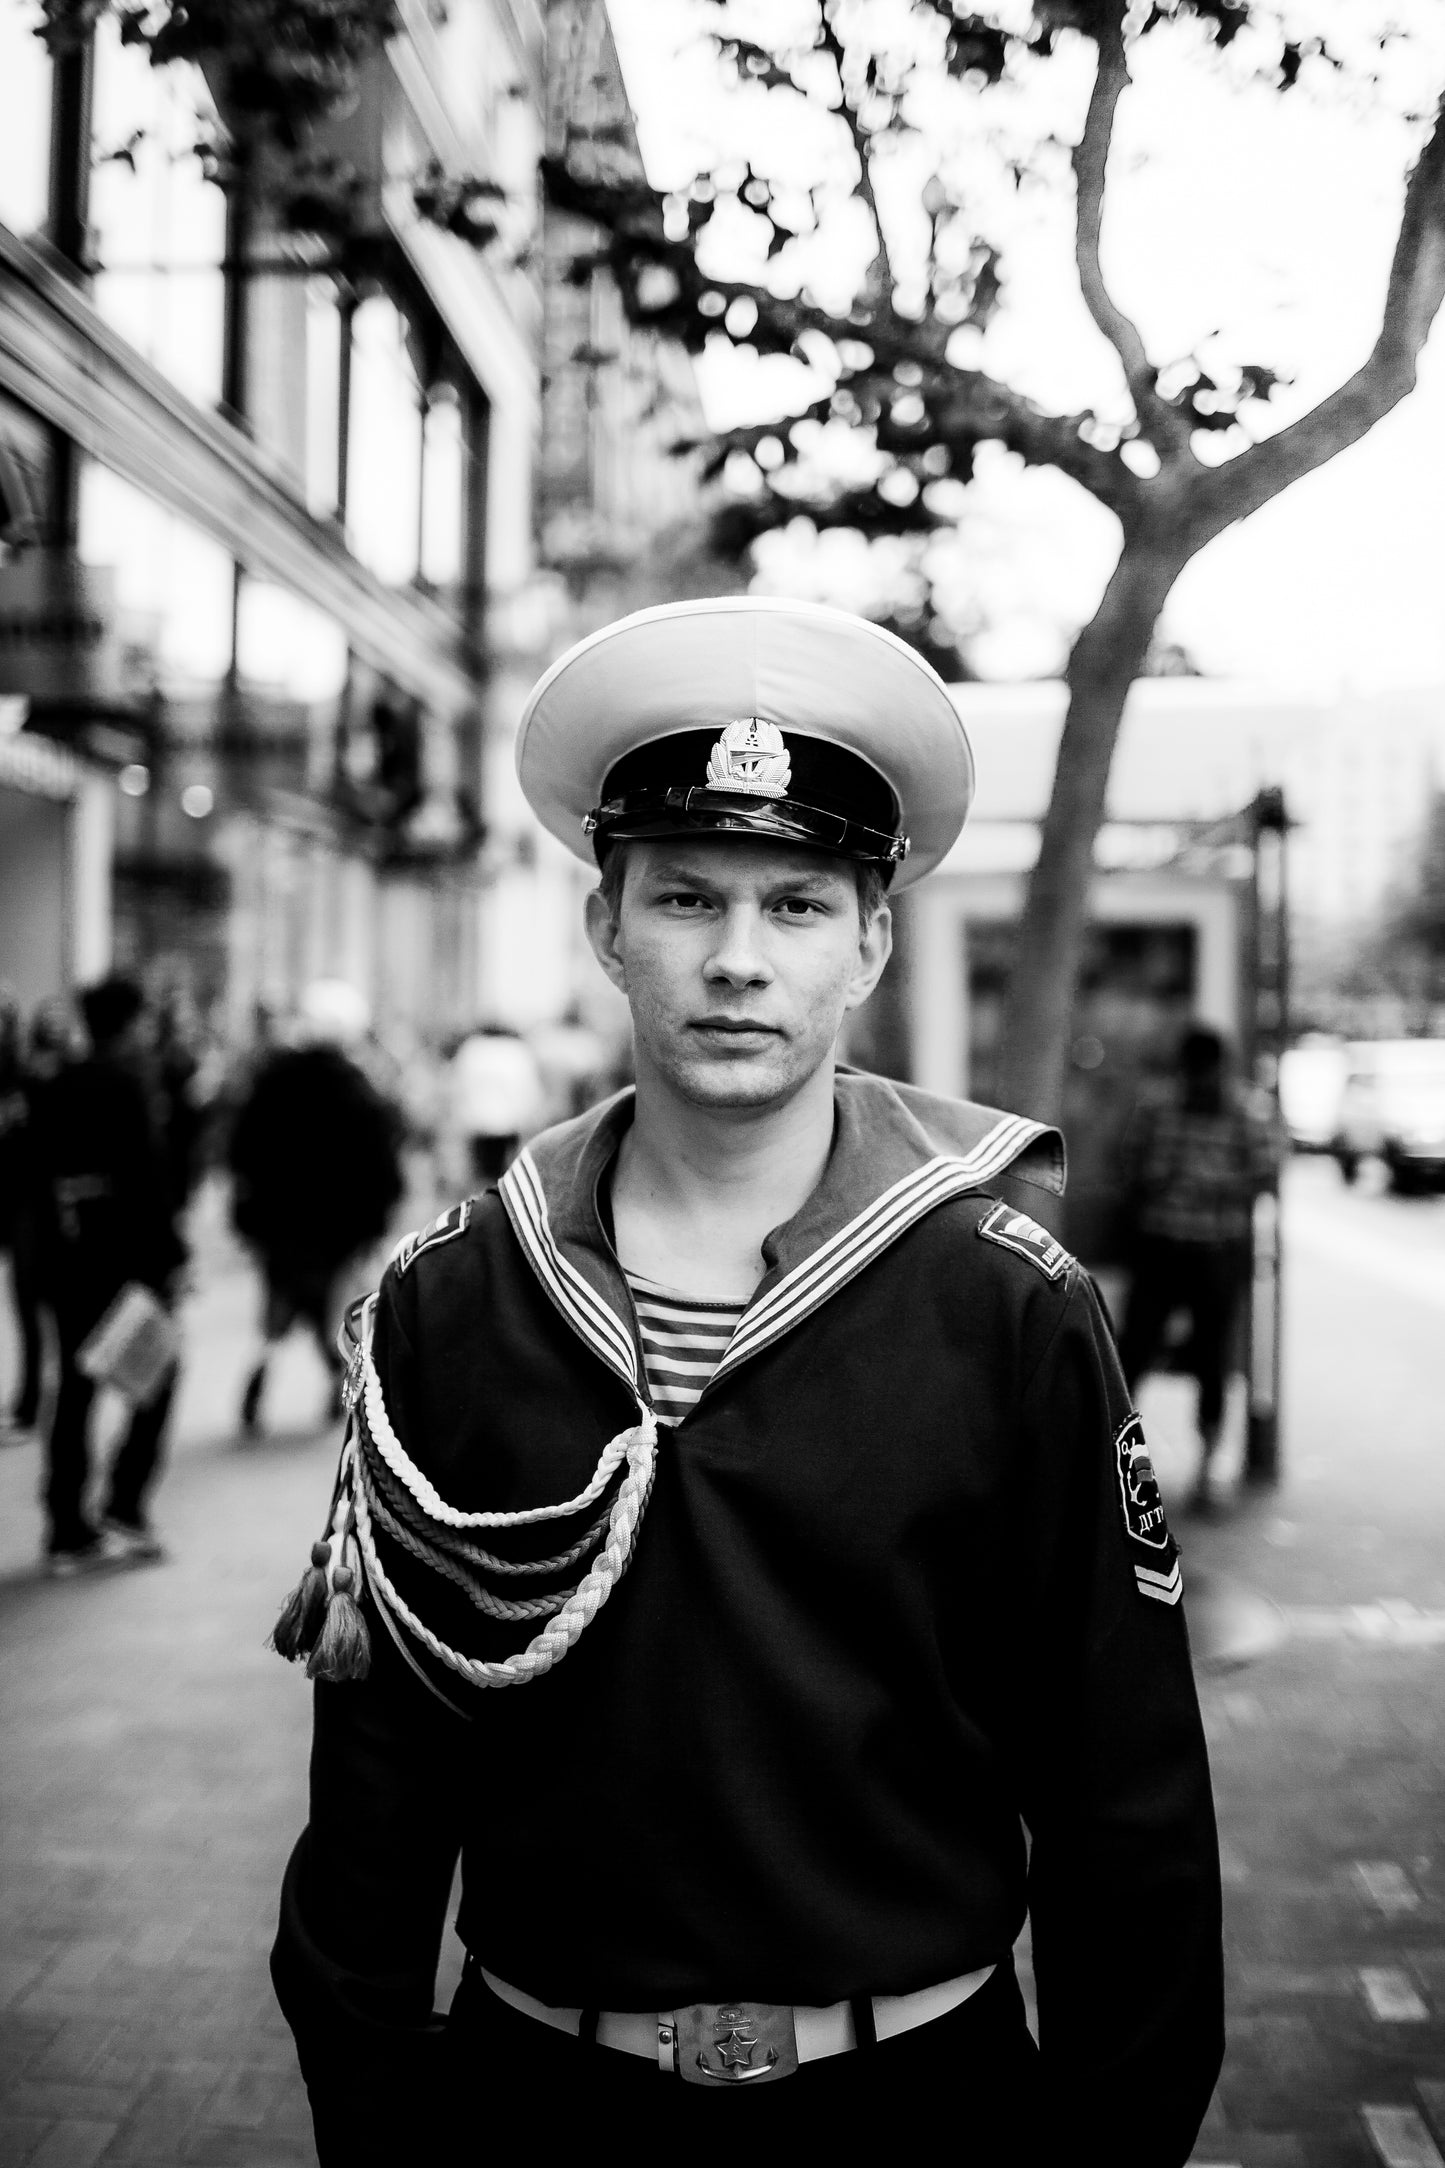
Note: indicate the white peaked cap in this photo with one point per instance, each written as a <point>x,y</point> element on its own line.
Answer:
<point>821,673</point>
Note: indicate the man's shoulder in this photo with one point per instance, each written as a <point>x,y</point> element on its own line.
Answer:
<point>988,1238</point>
<point>447,1227</point>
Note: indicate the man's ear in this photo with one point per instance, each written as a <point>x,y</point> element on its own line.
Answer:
<point>602,933</point>
<point>875,946</point>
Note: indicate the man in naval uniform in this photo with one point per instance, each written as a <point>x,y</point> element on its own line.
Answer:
<point>744,1557</point>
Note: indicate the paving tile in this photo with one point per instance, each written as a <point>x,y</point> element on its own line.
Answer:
<point>1400,2138</point>
<point>163,2120</point>
<point>210,2148</point>
<point>55,2102</point>
<point>19,2136</point>
<point>1274,2149</point>
<point>246,2097</point>
<point>1392,1995</point>
<point>1388,1886</point>
<point>74,2050</point>
<point>79,1966</point>
<point>72,2145</point>
<point>16,1975</point>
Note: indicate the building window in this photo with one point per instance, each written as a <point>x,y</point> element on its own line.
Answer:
<point>173,583</point>
<point>444,478</point>
<point>384,451</point>
<point>326,334</point>
<point>286,647</point>
<point>158,225</point>
<point>24,119</point>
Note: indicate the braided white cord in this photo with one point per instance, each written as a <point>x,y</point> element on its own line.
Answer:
<point>485,1562</point>
<point>639,1445</point>
<point>392,1451</point>
<point>439,1562</point>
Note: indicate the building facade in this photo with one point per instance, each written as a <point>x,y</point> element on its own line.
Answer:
<point>270,433</point>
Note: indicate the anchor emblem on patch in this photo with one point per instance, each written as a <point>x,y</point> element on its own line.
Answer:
<point>731,2043</point>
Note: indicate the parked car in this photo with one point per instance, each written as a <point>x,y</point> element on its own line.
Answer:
<point>1311,1087</point>
<point>1393,1108</point>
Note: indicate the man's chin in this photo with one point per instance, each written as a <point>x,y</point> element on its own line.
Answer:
<point>757,1082</point>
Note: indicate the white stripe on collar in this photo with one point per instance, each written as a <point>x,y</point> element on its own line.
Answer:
<point>592,1319</point>
<point>890,1215</point>
<point>800,1291</point>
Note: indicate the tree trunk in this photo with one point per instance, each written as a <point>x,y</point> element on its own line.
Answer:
<point>1106,659</point>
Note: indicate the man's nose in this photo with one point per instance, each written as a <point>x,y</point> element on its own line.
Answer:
<point>738,958</point>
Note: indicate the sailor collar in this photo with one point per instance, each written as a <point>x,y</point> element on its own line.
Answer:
<point>898,1153</point>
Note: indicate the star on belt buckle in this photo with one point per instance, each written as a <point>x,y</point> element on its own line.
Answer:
<point>735,2043</point>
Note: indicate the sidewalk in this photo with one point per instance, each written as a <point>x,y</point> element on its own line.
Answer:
<point>154,1768</point>
<point>1329,1747</point>
<point>153,1782</point>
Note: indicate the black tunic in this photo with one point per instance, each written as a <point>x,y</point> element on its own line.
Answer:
<point>902,1592</point>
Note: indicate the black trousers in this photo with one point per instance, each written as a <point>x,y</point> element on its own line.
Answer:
<point>1206,1279</point>
<point>25,1292</point>
<point>304,1295</point>
<point>67,1471</point>
<point>965,2089</point>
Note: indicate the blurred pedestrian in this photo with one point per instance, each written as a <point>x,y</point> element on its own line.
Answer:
<point>176,1064</point>
<point>54,1038</point>
<point>1198,1150</point>
<point>16,1211</point>
<point>104,1221</point>
<point>572,1060</point>
<point>315,1162</point>
<point>497,1098</point>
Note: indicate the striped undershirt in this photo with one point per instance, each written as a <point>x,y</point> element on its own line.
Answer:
<point>683,1342</point>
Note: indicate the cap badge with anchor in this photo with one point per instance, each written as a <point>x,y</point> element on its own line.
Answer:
<point>751,756</point>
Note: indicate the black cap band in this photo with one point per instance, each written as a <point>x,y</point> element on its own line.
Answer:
<point>832,800</point>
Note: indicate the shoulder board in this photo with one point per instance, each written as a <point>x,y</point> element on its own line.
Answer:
<point>1015,1231</point>
<point>442,1229</point>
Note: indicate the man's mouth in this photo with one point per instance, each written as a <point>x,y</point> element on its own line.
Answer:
<point>735,1027</point>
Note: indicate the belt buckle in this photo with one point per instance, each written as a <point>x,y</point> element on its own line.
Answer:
<point>736,2043</point>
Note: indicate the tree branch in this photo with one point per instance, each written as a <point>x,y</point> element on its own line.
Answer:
<point>972,406</point>
<point>968,407</point>
<point>1166,429</point>
<point>863,145</point>
<point>1413,298</point>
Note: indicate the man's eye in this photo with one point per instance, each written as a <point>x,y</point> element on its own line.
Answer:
<point>684,899</point>
<point>799,907</point>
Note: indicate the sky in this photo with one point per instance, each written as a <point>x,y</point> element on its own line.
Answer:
<point>1231,210</point>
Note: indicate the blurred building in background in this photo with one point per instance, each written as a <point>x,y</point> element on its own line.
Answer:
<point>272,479</point>
<point>1181,928</point>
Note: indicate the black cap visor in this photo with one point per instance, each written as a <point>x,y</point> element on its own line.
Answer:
<point>702,810</point>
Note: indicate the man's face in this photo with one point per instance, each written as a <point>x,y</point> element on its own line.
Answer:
<point>739,960</point>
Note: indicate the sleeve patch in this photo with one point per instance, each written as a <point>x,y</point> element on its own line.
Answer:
<point>1017,1232</point>
<point>443,1228</point>
<point>1139,1496</point>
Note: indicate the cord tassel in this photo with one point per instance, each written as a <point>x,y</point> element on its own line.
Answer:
<point>296,1631</point>
<point>344,1649</point>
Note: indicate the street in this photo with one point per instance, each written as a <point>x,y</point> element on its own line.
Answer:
<point>154,1768</point>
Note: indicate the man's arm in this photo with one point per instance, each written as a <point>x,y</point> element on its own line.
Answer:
<point>364,1902</point>
<point>1124,1869</point>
